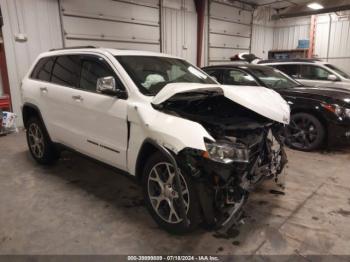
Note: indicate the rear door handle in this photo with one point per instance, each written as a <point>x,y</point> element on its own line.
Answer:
<point>77,98</point>
<point>43,89</point>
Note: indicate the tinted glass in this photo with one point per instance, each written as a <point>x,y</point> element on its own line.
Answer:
<point>313,72</point>
<point>42,70</point>
<point>291,70</point>
<point>92,69</point>
<point>66,70</point>
<point>152,73</point>
<point>273,78</point>
<point>237,77</point>
<point>214,73</point>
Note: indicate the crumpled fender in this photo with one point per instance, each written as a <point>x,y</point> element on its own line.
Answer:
<point>172,132</point>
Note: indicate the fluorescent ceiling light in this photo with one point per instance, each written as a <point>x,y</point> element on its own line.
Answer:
<point>315,6</point>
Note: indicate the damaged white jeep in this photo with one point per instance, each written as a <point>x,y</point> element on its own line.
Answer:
<point>196,147</point>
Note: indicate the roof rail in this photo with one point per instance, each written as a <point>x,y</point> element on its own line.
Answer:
<point>305,60</point>
<point>73,47</point>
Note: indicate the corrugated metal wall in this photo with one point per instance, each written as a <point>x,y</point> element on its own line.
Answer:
<point>179,28</point>
<point>36,20</point>
<point>229,31</point>
<point>287,32</point>
<point>124,24</point>
<point>263,29</point>
<point>333,40</point>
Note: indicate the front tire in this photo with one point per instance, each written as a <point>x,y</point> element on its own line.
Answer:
<point>305,132</point>
<point>162,196</point>
<point>39,143</point>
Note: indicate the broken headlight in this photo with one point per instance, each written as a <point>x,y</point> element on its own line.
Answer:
<point>227,152</point>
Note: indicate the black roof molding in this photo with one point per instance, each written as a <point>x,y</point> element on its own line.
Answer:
<point>304,60</point>
<point>73,47</point>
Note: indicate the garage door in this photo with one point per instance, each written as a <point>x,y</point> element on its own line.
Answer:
<point>124,24</point>
<point>229,31</point>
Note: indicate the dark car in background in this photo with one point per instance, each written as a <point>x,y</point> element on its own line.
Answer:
<point>320,116</point>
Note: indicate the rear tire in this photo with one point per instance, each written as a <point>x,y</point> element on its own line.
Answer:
<point>161,196</point>
<point>305,132</point>
<point>40,146</point>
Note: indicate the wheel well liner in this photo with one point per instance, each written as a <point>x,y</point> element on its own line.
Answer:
<point>147,149</point>
<point>30,110</point>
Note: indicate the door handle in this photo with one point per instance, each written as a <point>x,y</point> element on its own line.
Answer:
<point>77,98</point>
<point>43,89</point>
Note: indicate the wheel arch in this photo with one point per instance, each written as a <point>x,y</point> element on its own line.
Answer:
<point>147,149</point>
<point>30,110</point>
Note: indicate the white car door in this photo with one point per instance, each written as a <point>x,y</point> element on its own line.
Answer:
<point>100,120</point>
<point>58,109</point>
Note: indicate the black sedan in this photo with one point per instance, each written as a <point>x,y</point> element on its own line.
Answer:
<point>320,116</point>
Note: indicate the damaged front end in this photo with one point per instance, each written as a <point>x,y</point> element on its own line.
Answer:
<point>247,150</point>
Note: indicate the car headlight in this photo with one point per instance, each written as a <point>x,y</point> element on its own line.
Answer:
<point>339,111</point>
<point>227,152</point>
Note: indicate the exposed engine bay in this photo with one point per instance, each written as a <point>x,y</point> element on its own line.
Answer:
<point>247,150</point>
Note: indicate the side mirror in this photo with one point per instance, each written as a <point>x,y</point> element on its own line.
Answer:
<point>332,78</point>
<point>107,85</point>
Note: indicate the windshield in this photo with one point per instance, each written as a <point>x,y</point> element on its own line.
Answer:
<point>337,70</point>
<point>273,78</point>
<point>152,73</point>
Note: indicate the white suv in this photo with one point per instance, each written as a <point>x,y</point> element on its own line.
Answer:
<point>196,147</point>
<point>311,72</point>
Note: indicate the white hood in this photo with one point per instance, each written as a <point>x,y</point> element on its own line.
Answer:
<point>261,100</point>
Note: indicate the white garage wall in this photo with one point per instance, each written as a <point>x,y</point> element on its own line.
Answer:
<point>37,21</point>
<point>288,31</point>
<point>124,24</point>
<point>229,30</point>
<point>332,40</point>
<point>179,29</point>
<point>263,30</point>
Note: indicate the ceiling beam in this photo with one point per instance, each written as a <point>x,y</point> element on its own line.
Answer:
<point>330,6</point>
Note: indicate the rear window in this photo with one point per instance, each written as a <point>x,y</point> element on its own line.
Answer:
<point>42,70</point>
<point>66,70</point>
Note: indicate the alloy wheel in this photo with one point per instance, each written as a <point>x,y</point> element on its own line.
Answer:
<point>36,140</point>
<point>301,133</point>
<point>164,194</point>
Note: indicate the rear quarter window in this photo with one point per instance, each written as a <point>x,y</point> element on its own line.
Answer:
<point>42,70</point>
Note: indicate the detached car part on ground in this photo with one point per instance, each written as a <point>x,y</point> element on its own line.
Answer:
<point>320,116</point>
<point>198,148</point>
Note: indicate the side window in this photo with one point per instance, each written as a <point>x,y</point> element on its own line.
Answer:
<point>215,73</point>
<point>42,70</point>
<point>92,69</point>
<point>312,72</point>
<point>291,70</point>
<point>237,77</point>
<point>66,70</point>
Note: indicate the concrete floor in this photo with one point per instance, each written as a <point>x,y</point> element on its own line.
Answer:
<point>79,207</point>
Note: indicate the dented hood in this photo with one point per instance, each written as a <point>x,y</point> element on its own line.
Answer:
<point>261,100</point>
